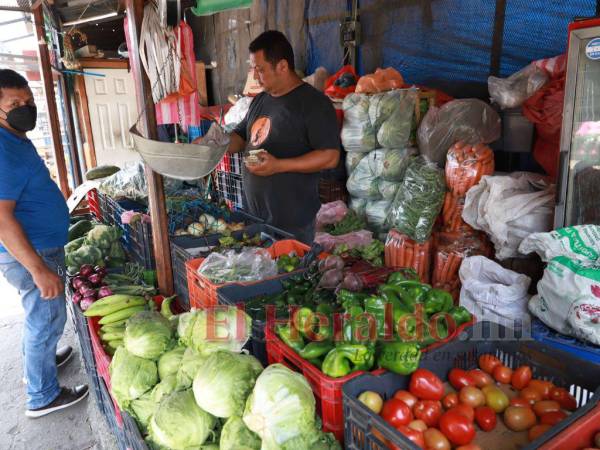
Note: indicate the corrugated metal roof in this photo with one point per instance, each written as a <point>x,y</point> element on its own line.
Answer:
<point>15,5</point>
<point>70,10</point>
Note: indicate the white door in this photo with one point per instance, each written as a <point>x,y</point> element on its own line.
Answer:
<point>113,110</point>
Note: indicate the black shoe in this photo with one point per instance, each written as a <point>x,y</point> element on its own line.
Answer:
<point>67,397</point>
<point>63,355</point>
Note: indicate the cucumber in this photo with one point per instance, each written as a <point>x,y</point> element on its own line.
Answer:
<point>79,229</point>
<point>101,172</point>
<point>122,314</point>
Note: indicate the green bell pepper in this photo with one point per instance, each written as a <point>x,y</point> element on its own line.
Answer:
<point>290,337</point>
<point>303,320</point>
<point>440,334</point>
<point>314,350</point>
<point>437,300</point>
<point>399,357</point>
<point>460,314</point>
<point>403,275</point>
<point>347,358</point>
<point>348,298</point>
<point>317,362</point>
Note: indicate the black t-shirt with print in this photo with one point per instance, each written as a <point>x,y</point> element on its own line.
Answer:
<point>289,126</point>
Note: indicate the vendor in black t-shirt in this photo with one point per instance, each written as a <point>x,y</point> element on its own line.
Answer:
<point>296,126</point>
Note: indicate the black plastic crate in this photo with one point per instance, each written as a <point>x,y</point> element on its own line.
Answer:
<point>236,294</point>
<point>184,248</point>
<point>131,433</point>
<point>108,410</point>
<point>581,378</point>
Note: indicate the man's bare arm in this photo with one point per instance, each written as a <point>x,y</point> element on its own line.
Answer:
<point>13,239</point>
<point>236,143</point>
<point>311,162</point>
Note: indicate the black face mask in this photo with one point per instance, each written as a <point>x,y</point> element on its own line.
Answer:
<point>22,118</point>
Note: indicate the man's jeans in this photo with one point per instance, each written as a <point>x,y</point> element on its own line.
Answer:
<point>44,324</point>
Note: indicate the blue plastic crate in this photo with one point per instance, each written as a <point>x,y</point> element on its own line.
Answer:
<point>542,333</point>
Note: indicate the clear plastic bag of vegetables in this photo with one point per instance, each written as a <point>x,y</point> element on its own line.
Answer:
<point>251,264</point>
<point>358,133</point>
<point>377,212</point>
<point>390,164</point>
<point>358,205</point>
<point>362,182</point>
<point>419,200</point>
<point>469,120</point>
<point>395,129</point>
<point>352,160</point>
<point>388,189</point>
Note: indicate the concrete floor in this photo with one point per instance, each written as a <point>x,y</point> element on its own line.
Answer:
<point>77,428</point>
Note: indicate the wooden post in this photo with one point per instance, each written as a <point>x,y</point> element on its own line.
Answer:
<point>147,127</point>
<point>70,127</point>
<point>46,72</point>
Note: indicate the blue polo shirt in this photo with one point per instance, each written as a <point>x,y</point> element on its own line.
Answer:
<point>40,206</point>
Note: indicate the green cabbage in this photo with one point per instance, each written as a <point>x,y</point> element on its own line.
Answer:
<point>395,129</point>
<point>142,410</point>
<point>395,162</point>
<point>225,381</point>
<point>235,435</point>
<point>147,335</point>
<point>358,134</point>
<point>362,182</point>
<point>131,376</point>
<point>388,189</point>
<point>185,327</point>
<point>165,387</point>
<point>352,160</point>
<point>169,362</point>
<point>179,423</point>
<point>382,106</point>
<point>102,236</point>
<point>190,364</point>
<point>281,410</point>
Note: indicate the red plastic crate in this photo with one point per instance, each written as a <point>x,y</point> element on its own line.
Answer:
<point>578,435</point>
<point>327,390</point>
<point>94,204</point>
<point>203,293</point>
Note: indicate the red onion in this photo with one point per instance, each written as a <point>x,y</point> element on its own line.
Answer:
<point>95,279</point>
<point>104,291</point>
<point>86,290</point>
<point>331,262</point>
<point>86,270</point>
<point>77,282</point>
<point>101,271</point>
<point>86,303</point>
<point>77,297</point>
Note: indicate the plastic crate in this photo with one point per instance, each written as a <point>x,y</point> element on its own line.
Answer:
<point>112,416</point>
<point>131,433</point>
<point>577,434</point>
<point>579,377</point>
<point>185,248</point>
<point>580,349</point>
<point>238,294</point>
<point>203,293</point>
<point>327,390</point>
<point>94,204</point>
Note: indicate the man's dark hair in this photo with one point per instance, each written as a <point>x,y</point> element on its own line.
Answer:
<point>9,79</point>
<point>276,47</point>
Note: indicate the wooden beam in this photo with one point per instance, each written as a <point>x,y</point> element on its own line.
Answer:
<point>104,63</point>
<point>46,72</point>
<point>147,127</point>
<point>201,83</point>
<point>85,123</point>
<point>70,127</point>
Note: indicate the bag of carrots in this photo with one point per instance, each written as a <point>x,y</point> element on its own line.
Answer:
<point>466,165</point>
<point>401,251</point>
<point>452,213</point>
<point>450,250</point>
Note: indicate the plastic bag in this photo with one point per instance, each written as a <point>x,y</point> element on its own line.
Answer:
<point>491,292</point>
<point>331,213</point>
<point>469,120</point>
<point>351,240</point>
<point>358,135</point>
<point>238,111</point>
<point>565,282</point>
<point>342,83</point>
<point>580,242</point>
<point>510,208</point>
<point>362,182</point>
<point>584,318</point>
<point>401,251</point>
<point>318,79</point>
<point>450,250</point>
<point>419,200</point>
<point>395,162</point>
<point>376,212</point>
<point>358,205</point>
<point>388,189</point>
<point>395,130</point>
<point>466,165</point>
<point>380,81</point>
<point>129,182</point>
<point>251,264</point>
<point>511,92</point>
<point>452,213</point>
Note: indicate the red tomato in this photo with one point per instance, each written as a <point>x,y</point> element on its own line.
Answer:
<point>531,394</point>
<point>562,396</point>
<point>396,412</point>
<point>426,385</point>
<point>552,417</point>
<point>520,401</point>
<point>414,436</point>
<point>542,386</point>
<point>406,397</point>
<point>457,428</point>
<point>488,363</point>
<point>502,374</point>
<point>450,400</point>
<point>429,411</point>
<point>537,430</point>
<point>521,377</point>
<point>459,378</point>
<point>469,447</point>
<point>545,406</point>
<point>481,378</point>
<point>485,418</point>
<point>465,410</point>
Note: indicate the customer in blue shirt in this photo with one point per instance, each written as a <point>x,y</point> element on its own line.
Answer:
<point>34,222</point>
